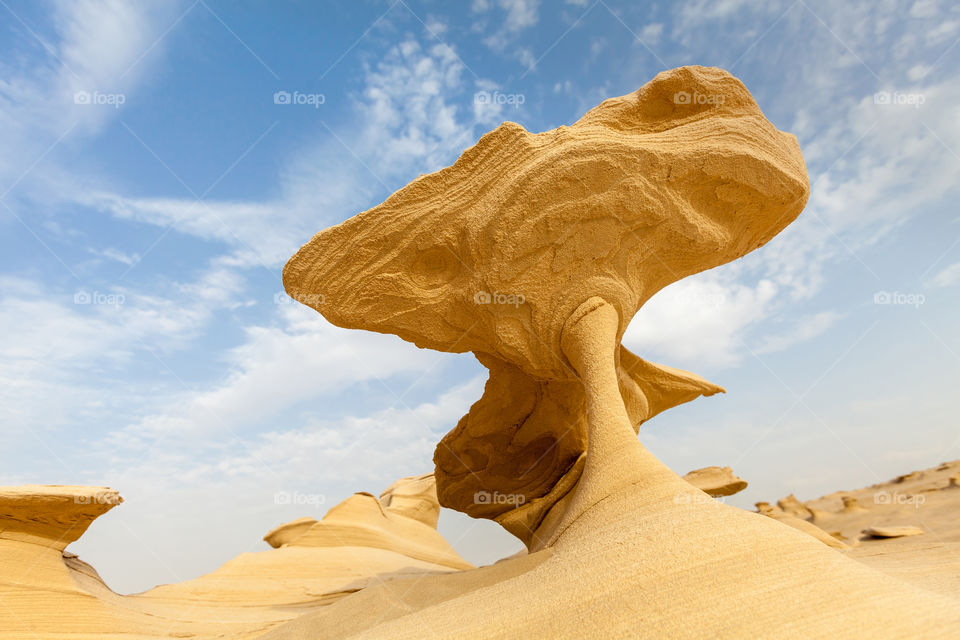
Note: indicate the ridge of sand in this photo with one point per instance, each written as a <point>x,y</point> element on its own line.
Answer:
<point>50,593</point>
<point>924,499</point>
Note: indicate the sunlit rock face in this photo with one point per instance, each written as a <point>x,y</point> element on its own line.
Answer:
<point>494,253</point>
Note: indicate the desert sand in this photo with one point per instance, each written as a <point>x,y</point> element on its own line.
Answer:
<point>534,252</point>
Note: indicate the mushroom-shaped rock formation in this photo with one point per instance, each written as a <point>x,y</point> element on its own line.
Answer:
<point>496,253</point>
<point>534,251</point>
<point>716,481</point>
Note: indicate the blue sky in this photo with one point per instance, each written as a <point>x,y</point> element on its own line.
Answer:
<point>151,189</point>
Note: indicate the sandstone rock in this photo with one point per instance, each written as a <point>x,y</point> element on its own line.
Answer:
<point>909,477</point>
<point>52,515</point>
<point>534,251</point>
<point>716,481</point>
<point>362,521</point>
<point>893,531</point>
<point>289,531</point>
<point>851,505</point>
<point>799,524</point>
<point>414,497</point>
<point>819,515</point>
<point>495,253</point>
<point>48,592</point>
<point>794,507</point>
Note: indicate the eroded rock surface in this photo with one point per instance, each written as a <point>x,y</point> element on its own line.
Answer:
<point>716,481</point>
<point>51,593</point>
<point>534,251</point>
<point>494,254</point>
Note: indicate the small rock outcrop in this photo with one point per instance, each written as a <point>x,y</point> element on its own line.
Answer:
<point>288,531</point>
<point>716,481</point>
<point>52,515</point>
<point>892,531</point>
<point>794,507</point>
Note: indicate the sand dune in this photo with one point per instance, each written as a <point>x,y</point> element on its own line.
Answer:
<point>358,543</point>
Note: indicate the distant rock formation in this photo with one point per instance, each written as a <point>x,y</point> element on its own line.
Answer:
<point>799,524</point>
<point>716,481</point>
<point>893,532</point>
<point>288,532</point>
<point>794,507</point>
<point>48,592</point>
<point>413,497</point>
<point>851,504</point>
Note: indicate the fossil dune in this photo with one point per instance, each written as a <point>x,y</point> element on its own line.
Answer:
<point>360,542</point>
<point>534,252</point>
<point>583,224</point>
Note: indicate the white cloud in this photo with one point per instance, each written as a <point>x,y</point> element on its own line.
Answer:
<point>699,320</point>
<point>64,351</point>
<point>96,49</point>
<point>947,277</point>
<point>801,330</point>
<point>277,367</point>
<point>406,124</point>
<point>699,12</point>
<point>116,255</point>
<point>521,14</point>
<point>650,34</point>
<point>225,488</point>
<point>435,26</point>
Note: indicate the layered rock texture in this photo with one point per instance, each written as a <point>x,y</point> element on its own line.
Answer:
<point>534,251</point>
<point>497,252</point>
